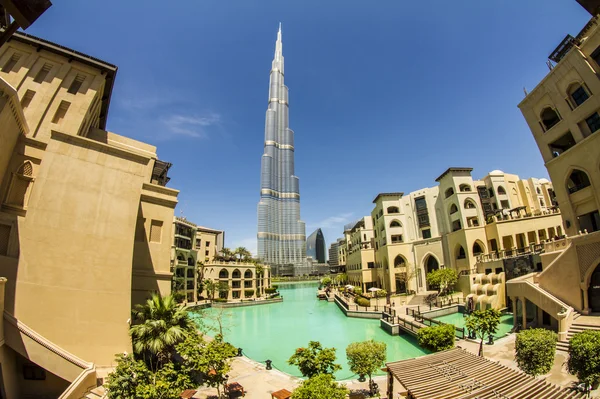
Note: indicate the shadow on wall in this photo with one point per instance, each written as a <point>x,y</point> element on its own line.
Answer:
<point>143,280</point>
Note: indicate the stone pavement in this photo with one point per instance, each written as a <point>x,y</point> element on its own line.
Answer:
<point>259,382</point>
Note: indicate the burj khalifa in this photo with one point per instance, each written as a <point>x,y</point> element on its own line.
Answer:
<point>281,233</point>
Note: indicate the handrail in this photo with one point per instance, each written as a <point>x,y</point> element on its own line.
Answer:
<point>23,328</point>
<point>74,390</point>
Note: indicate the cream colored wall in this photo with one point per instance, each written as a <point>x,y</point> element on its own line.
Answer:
<point>53,90</point>
<point>212,269</point>
<point>212,248</point>
<point>576,67</point>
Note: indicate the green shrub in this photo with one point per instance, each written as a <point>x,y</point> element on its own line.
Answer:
<point>534,350</point>
<point>275,286</point>
<point>357,290</point>
<point>381,293</point>
<point>436,338</point>
<point>220,300</point>
<point>270,290</point>
<point>360,301</point>
<point>248,293</point>
<point>584,356</point>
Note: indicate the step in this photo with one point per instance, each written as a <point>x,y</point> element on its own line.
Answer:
<point>96,393</point>
<point>562,346</point>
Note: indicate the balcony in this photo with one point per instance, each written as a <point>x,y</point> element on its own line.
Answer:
<point>511,253</point>
<point>520,214</point>
<point>563,48</point>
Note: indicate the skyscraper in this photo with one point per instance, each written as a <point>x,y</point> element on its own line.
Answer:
<point>315,246</point>
<point>281,233</point>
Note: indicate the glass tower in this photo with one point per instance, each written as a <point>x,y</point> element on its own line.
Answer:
<point>281,233</point>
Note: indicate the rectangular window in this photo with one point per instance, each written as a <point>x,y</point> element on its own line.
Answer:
<point>207,244</point>
<point>27,98</point>
<point>76,84</point>
<point>420,204</point>
<point>155,230</point>
<point>456,225</point>
<point>426,233</point>
<point>561,144</point>
<point>10,64</point>
<point>504,204</point>
<point>43,73</point>
<point>190,273</point>
<point>198,243</point>
<point>61,111</point>
<point>396,238</point>
<point>33,372</point>
<point>593,122</point>
<point>371,265</point>
<point>4,238</point>
<point>579,96</point>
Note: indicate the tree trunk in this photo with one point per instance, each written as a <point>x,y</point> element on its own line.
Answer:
<point>481,347</point>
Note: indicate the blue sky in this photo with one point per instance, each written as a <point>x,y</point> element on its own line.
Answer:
<point>384,95</point>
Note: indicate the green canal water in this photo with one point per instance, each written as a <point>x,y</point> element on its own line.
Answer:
<point>274,331</point>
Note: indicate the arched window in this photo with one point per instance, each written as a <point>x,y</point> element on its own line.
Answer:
<point>464,188</point>
<point>431,264</point>
<point>393,209</point>
<point>453,209</point>
<point>190,261</point>
<point>395,223</point>
<point>236,274</point>
<point>248,274</point>
<point>399,261</point>
<point>469,204</point>
<point>223,273</point>
<point>18,191</point>
<point>578,94</point>
<point>449,192</point>
<point>460,252</point>
<point>477,248</point>
<point>578,180</point>
<point>542,203</point>
<point>180,257</point>
<point>501,190</point>
<point>549,118</point>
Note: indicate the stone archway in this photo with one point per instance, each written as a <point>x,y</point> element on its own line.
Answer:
<point>431,264</point>
<point>594,290</point>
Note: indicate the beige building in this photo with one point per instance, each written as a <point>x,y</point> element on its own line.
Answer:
<point>85,221</point>
<point>562,112</point>
<point>456,224</point>
<point>193,246</point>
<point>238,280</point>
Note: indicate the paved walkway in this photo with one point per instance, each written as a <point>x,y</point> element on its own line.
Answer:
<point>259,382</point>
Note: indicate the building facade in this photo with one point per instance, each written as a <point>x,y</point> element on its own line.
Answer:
<point>236,280</point>
<point>85,219</point>
<point>456,224</point>
<point>315,246</point>
<point>281,233</point>
<point>563,114</point>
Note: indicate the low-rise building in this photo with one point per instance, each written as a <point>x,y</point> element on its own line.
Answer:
<point>236,280</point>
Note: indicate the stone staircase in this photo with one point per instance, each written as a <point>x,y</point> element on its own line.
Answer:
<point>580,324</point>
<point>419,299</point>
<point>96,393</point>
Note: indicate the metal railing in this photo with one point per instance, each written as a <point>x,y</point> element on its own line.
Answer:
<point>459,332</point>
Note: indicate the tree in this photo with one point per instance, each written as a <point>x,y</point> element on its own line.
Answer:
<point>211,287</point>
<point>584,357</point>
<point>315,360</point>
<point>242,254</point>
<point>483,323</point>
<point>406,277</point>
<point>222,287</point>
<point>364,358</point>
<point>260,270</point>
<point>443,278</point>
<point>127,376</point>
<point>437,338</point>
<point>321,386</point>
<point>220,321</point>
<point>131,379</point>
<point>534,350</point>
<point>212,359</point>
<point>225,255</point>
<point>326,281</point>
<point>162,324</point>
<point>341,278</point>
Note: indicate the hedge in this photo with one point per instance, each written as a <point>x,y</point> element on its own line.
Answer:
<point>270,290</point>
<point>436,338</point>
<point>362,301</point>
<point>220,300</point>
<point>248,293</point>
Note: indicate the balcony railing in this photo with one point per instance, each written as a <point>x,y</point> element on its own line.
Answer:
<point>511,253</point>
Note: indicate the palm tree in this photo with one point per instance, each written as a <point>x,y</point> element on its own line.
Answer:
<point>226,254</point>
<point>242,253</point>
<point>161,324</point>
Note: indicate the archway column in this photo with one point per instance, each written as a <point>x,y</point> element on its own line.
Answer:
<point>523,312</point>
<point>513,299</point>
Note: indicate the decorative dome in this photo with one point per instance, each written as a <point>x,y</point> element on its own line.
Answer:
<point>496,172</point>
<point>543,181</point>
